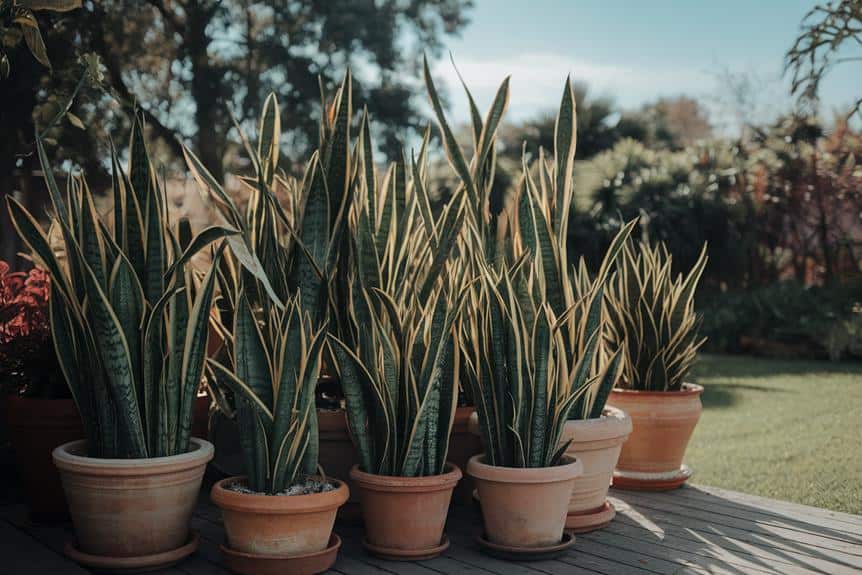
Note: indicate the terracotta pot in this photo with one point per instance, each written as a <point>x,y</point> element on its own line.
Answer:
<point>131,507</point>
<point>36,426</point>
<point>277,525</point>
<point>524,507</point>
<point>404,516</point>
<point>662,423</point>
<point>463,444</point>
<point>337,455</point>
<point>596,443</point>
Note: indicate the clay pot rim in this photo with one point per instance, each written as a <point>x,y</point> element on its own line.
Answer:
<point>395,483</point>
<point>263,504</point>
<point>66,459</point>
<point>614,424</point>
<point>570,468</point>
<point>687,390</point>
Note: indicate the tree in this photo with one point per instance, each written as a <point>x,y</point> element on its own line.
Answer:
<point>672,123</point>
<point>188,62</point>
<point>596,128</point>
<point>827,31</point>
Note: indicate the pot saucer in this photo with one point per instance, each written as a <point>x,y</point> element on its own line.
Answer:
<point>590,520</point>
<point>635,481</point>
<point>393,554</point>
<point>509,553</point>
<point>107,564</point>
<point>306,564</point>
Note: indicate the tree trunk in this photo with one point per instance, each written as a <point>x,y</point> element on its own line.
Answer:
<point>206,91</point>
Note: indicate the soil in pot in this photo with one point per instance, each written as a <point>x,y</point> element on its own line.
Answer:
<point>131,508</point>
<point>596,443</point>
<point>463,444</point>
<point>662,424</point>
<point>284,525</point>
<point>36,426</point>
<point>405,516</point>
<point>524,507</point>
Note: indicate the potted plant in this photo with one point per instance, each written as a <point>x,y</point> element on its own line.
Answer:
<point>653,319</point>
<point>401,398</point>
<point>280,514</point>
<point>129,321</point>
<point>297,230</point>
<point>395,353</point>
<point>39,410</point>
<point>521,383</point>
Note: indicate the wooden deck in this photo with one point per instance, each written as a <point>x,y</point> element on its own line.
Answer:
<point>695,529</point>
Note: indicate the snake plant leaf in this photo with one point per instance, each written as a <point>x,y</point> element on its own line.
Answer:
<point>354,380</point>
<point>140,173</point>
<point>204,238</point>
<point>450,144</point>
<point>607,382</point>
<point>541,341</point>
<point>492,122</point>
<point>156,253</point>
<point>565,143</point>
<point>51,183</point>
<point>92,246</point>
<point>194,352</point>
<point>337,160</point>
<point>475,116</point>
<point>206,181</point>
<point>34,238</point>
<point>127,300</point>
<point>115,356</point>
<point>448,236</point>
<point>269,136</point>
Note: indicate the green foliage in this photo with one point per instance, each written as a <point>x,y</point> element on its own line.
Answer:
<point>129,319</point>
<point>785,319</point>
<point>24,26</point>
<point>297,251</point>
<point>653,319</point>
<point>276,364</point>
<point>533,338</point>
<point>396,345</point>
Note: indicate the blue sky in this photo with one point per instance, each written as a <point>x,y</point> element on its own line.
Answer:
<point>635,51</point>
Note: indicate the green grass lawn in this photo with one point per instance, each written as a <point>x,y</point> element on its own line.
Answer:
<point>789,430</point>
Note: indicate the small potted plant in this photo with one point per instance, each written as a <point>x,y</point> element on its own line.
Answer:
<point>40,412</point>
<point>280,514</point>
<point>129,321</point>
<point>524,390</point>
<point>653,319</point>
<point>401,398</point>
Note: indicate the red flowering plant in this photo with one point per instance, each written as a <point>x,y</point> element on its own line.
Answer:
<point>27,361</point>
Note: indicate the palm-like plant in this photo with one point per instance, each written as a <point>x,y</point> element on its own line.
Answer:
<point>276,364</point>
<point>129,318</point>
<point>652,318</point>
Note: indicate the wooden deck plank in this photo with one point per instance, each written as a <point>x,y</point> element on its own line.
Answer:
<point>766,505</point>
<point>714,551</point>
<point>770,551</point>
<point>665,509</point>
<point>20,553</point>
<point>692,530</point>
<point>806,522</point>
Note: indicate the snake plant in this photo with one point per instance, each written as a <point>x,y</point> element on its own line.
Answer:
<point>296,247</point>
<point>276,364</point>
<point>395,347</point>
<point>129,317</point>
<point>652,318</point>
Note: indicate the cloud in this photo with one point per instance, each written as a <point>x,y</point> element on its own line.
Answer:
<point>537,81</point>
